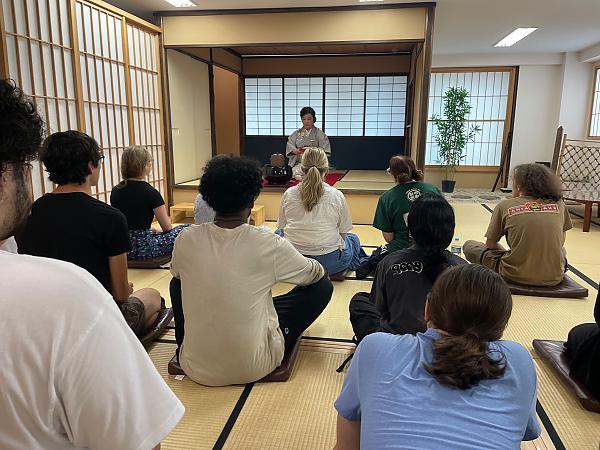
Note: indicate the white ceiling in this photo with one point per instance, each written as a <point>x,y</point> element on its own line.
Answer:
<point>461,26</point>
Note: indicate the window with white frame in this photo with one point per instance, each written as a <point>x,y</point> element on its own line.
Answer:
<point>385,107</point>
<point>595,118</point>
<point>353,106</point>
<point>489,94</point>
<point>264,106</point>
<point>344,104</point>
<point>301,92</point>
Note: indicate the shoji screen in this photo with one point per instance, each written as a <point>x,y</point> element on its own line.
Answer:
<point>89,67</point>
<point>145,98</point>
<point>40,60</point>
<point>102,65</point>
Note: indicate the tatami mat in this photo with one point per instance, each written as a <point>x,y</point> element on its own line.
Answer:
<point>379,176</point>
<point>577,428</point>
<point>206,409</point>
<point>299,414</point>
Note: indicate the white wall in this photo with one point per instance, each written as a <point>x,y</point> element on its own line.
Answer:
<point>190,115</point>
<point>576,93</point>
<point>536,114</point>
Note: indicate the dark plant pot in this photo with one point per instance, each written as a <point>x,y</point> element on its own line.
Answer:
<point>448,186</point>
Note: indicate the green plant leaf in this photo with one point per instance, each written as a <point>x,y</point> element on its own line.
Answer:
<point>451,131</point>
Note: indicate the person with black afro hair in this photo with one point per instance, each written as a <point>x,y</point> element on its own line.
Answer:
<point>234,331</point>
<point>71,368</point>
<point>71,225</point>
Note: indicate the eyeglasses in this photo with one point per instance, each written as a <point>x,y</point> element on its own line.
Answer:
<point>389,171</point>
<point>101,158</point>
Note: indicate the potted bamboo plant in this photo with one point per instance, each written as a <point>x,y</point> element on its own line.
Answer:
<point>452,133</point>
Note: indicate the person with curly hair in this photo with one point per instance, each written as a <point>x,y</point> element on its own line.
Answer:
<point>392,210</point>
<point>234,331</point>
<point>71,225</point>
<point>455,386</point>
<point>315,218</point>
<point>534,222</point>
<point>140,203</point>
<point>71,368</point>
<point>403,279</point>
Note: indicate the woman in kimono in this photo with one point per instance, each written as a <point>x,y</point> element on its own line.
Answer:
<point>307,136</point>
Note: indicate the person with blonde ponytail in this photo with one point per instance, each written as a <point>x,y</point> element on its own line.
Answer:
<point>315,218</point>
<point>141,203</point>
<point>456,386</point>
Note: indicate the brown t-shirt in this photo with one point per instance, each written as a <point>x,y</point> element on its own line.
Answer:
<point>535,232</point>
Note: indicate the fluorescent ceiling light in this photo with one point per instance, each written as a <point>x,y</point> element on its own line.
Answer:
<point>181,3</point>
<point>369,1</point>
<point>515,37</point>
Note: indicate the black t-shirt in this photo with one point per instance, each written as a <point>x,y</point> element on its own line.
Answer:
<point>400,290</point>
<point>77,228</point>
<point>137,200</point>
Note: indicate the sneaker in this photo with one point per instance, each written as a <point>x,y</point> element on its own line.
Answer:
<point>363,270</point>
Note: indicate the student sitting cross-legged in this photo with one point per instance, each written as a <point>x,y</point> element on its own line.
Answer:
<point>72,373</point>
<point>392,210</point>
<point>71,225</point>
<point>140,203</point>
<point>456,386</point>
<point>404,278</point>
<point>315,218</point>
<point>234,331</point>
<point>534,222</point>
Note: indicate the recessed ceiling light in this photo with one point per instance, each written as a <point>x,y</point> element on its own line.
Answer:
<point>515,37</point>
<point>181,3</point>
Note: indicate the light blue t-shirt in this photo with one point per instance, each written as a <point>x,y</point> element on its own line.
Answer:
<point>401,406</point>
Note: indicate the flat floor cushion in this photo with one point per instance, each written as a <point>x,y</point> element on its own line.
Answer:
<point>340,276</point>
<point>150,263</point>
<point>281,373</point>
<point>567,288</point>
<point>165,315</point>
<point>553,353</point>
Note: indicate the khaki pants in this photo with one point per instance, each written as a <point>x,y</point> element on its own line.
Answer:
<point>478,253</point>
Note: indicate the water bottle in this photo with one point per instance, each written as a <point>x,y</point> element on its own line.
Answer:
<point>455,247</point>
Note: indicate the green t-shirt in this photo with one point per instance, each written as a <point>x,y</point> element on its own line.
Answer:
<point>392,211</point>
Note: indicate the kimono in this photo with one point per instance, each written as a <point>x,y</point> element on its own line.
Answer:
<point>302,138</point>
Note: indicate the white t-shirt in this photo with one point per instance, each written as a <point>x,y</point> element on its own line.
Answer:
<point>315,232</point>
<point>73,374</point>
<point>9,245</point>
<point>232,333</point>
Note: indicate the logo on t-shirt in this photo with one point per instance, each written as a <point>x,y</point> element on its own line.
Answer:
<point>400,268</point>
<point>532,207</point>
<point>413,194</point>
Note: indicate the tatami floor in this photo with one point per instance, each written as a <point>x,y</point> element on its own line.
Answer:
<point>299,414</point>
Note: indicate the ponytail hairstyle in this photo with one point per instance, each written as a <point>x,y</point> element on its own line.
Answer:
<point>538,181</point>
<point>403,169</point>
<point>314,166</point>
<point>470,304</point>
<point>134,161</point>
<point>431,224</point>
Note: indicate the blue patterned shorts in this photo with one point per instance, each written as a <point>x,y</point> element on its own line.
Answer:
<point>147,244</point>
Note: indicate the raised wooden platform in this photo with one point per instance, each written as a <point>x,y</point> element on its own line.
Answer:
<point>179,212</point>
